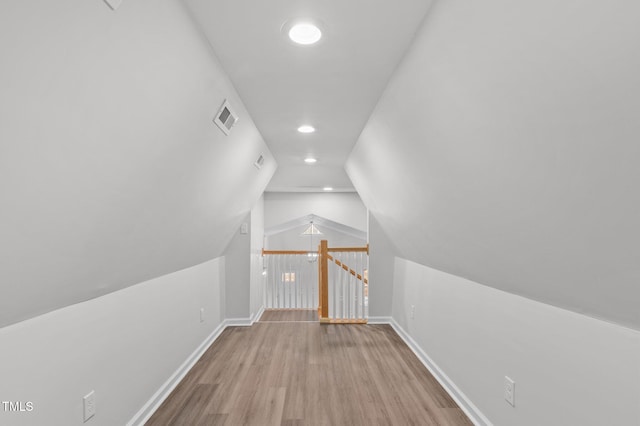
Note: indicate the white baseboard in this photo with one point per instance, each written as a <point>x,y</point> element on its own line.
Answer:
<point>379,320</point>
<point>258,315</point>
<point>161,394</point>
<point>237,322</point>
<point>474,414</point>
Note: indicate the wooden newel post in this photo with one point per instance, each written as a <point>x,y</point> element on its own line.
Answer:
<point>323,281</point>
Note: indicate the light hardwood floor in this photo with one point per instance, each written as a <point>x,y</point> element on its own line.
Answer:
<point>289,315</point>
<point>305,373</point>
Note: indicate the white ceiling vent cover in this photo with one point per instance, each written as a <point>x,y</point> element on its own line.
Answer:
<point>226,118</point>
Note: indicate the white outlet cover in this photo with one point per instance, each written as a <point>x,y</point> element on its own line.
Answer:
<point>113,4</point>
<point>244,228</point>
<point>510,391</point>
<point>89,405</point>
<point>201,314</point>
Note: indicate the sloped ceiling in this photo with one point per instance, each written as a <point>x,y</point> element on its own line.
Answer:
<point>333,85</point>
<point>304,221</point>
<point>111,169</point>
<point>505,150</point>
<point>344,208</point>
<point>290,235</point>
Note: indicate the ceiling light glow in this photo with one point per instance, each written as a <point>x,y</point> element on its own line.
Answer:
<point>310,160</point>
<point>327,188</point>
<point>306,129</point>
<point>305,33</point>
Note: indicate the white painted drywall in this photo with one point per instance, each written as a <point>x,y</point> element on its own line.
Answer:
<point>111,169</point>
<point>294,239</point>
<point>238,273</point>
<point>123,345</point>
<point>256,289</point>
<point>345,208</point>
<point>505,150</point>
<point>334,85</point>
<point>381,264</point>
<point>569,369</point>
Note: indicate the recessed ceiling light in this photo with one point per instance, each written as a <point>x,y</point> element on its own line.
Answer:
<point>305,33</point>
<point>327,188</point>
<point>310,160</point>
<point>306,129</point>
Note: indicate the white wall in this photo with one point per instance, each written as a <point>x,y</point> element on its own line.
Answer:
<point>238,273</point>
<point>294,240</point>
<point>124,345</point>
<point>381,264</point>
<point>111,169</point>
<point>345,208</point>
<point>569,369</point>
<point>505,150</point>
<point>257,244</point>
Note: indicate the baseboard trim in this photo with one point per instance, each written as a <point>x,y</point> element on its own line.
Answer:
<point>258,315</point>
<point>161,394</point>
<point>380,320</point>
<point>145,413</point>
<point>474,414</point>
<point>238,322</point>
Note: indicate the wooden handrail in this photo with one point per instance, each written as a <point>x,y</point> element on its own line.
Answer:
<point>323,275</point>
<point>265,252</point>
<point>349,249</point>
<point>329,249</point>
<point>346,268</point>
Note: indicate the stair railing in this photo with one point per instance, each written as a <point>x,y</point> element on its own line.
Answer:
<point>343,289</point>
<point>291,279</point>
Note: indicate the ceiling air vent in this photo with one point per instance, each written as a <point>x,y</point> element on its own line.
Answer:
<point>259,162</point>
<point>226,118</point>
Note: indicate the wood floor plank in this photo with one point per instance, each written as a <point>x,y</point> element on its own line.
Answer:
<point>289,315</point>
<point>193,411</point>
<point>305,373</point>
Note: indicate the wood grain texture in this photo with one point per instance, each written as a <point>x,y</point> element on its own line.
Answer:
<point>349,249</point>
<point>305,373</point>
<point>289,315</point>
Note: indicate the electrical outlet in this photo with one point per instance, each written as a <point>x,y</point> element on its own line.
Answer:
<point>201,314</point>
<point>413,311</point>
<point>89,405</point>
<point>510,391</point>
